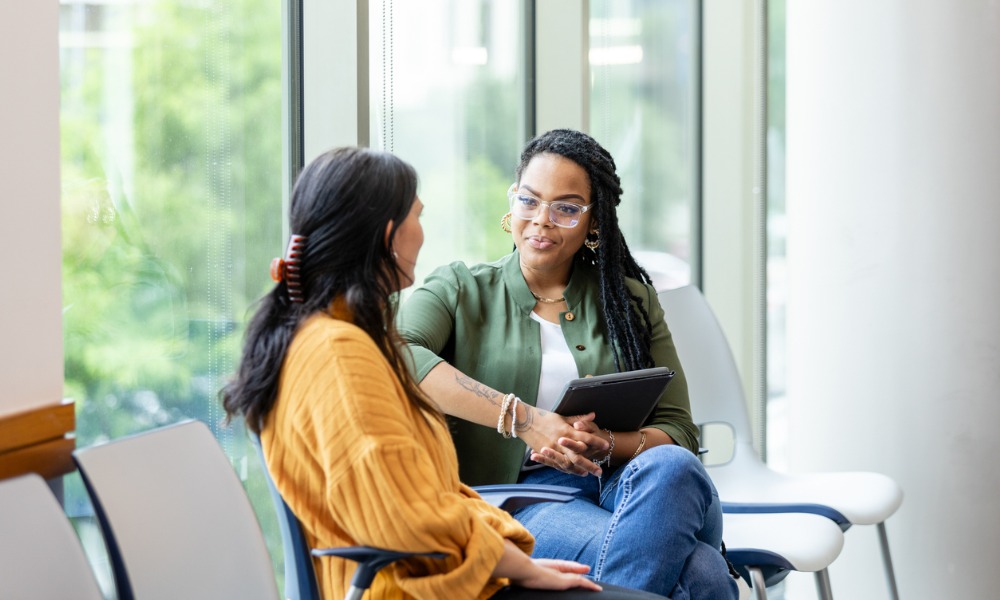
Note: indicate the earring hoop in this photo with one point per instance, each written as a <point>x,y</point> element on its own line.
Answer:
<point>505,222</point>
<point>592,243</point>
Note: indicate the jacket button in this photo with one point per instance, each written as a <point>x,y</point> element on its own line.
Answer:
<point>581,347</point>
<point>570,316</point>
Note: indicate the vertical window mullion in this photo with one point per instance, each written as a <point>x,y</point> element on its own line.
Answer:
<point>562,68</point>
<point>335,75</point>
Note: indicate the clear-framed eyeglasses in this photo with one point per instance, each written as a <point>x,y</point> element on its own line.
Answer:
<point>524,206</point>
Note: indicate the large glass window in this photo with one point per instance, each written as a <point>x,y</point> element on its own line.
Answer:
<point>447,95</point>
<point>643,65</point>
<point>172,188</point>
<point>171,185</point>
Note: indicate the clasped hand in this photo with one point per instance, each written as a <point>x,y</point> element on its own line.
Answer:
<point>570,444</point>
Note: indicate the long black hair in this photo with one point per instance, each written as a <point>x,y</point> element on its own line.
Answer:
<point>342,203</point>
<point>630,331</point>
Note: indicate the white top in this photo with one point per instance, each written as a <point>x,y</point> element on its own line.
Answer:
<point>558,366</point>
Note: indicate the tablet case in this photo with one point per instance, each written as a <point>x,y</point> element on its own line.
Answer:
<point>622,401</point>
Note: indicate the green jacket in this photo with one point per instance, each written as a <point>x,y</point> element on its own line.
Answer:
<point>478,320</point>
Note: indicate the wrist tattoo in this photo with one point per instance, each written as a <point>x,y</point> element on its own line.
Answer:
<point>524,424</point>
<point>478,389</point>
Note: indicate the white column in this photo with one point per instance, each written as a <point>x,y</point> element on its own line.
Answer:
<point>728,173</point>
<point>562,65</point>
<point>894,274</point>
<point>335,75</point>
<point>31,367</point>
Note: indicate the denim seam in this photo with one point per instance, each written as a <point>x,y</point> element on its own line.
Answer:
<point>626,483</point>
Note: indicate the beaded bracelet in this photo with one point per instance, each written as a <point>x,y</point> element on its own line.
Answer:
<point>513,416</point>
<point>501,426</point>
<point>642,442</point>
<point>611,448</point>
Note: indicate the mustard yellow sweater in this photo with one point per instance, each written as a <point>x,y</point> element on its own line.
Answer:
<point>360,465</point>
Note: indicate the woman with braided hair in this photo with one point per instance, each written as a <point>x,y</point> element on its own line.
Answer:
<point>494,344</point>
<point>358,452</point>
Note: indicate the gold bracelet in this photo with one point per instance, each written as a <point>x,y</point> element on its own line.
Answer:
<point>642,442</point>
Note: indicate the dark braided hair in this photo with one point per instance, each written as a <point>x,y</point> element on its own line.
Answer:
<point>630,331</point>
<point>342,203</point>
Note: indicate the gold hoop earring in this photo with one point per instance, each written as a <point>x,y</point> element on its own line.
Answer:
<point>592,242</point>
<point>505,222</point>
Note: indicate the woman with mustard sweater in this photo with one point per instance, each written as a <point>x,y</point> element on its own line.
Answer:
<point>357,451</point>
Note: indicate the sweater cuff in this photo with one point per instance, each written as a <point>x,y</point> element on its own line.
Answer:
<point>472,577</point>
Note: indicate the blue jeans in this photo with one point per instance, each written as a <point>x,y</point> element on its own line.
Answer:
<point>653,524</point>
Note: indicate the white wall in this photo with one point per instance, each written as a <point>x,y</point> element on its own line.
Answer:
<point>894,271</point>
<point>31,368</point>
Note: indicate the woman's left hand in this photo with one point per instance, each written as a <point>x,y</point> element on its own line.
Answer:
<point>547,435</point>
<point>578,447</point>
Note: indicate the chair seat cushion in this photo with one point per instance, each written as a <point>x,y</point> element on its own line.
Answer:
<point>865,498</point>
<point>807,542</point>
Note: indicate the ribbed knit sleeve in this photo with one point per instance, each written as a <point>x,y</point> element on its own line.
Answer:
<point>361,466</point>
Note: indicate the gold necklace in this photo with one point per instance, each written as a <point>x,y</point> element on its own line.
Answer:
<point>546,300</point>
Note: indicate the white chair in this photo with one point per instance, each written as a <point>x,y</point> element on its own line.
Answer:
<point>745,483</point>
<point>765,548</point>
<point>175,517</point>
<point>40,555</point>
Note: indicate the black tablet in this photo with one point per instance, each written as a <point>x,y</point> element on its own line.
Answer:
<point>622,401</point>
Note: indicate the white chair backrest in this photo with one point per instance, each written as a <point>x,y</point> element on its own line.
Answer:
<point>178,515</point>
<point>40,555</point>
<point>714,384</point>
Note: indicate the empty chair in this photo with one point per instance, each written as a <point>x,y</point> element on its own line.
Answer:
<point>747,484</point>
<point>765,548</point>
<point>40,555</point>
<point>176,520</point>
